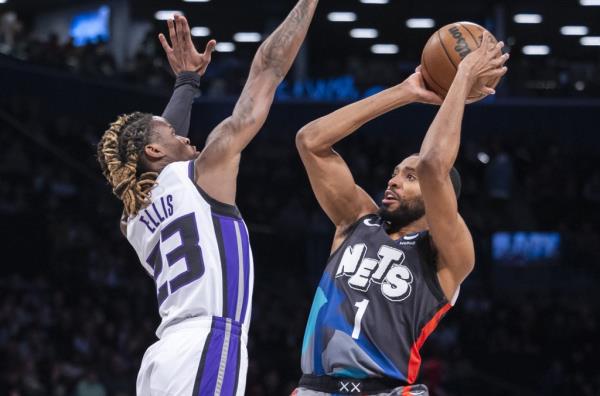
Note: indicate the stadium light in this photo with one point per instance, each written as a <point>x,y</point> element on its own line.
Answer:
<point>164,15</point>
<point>339,16</point>
<point>247,37</point>
<point>589,2</point>
<point>574,30</point>
<point>590,41</point>
<point>384,49</point>
<point>225,46</point>
<point>2,1</point>
<point>483,157</point>
<point>200,31</point>
<point>364,33</point>
<point>527,18</point>
<point>374,1</point>
<point>536,50</point>
<point>420,23</point>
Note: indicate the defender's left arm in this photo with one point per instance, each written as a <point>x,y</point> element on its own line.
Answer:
<point>218,164</point>
<point>450,234</point>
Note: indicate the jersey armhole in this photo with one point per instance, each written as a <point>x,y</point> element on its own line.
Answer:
<point>348,232</point>
<point>217,206</point>
<point>428,260</point>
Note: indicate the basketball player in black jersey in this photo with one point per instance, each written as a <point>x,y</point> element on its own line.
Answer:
<point>395,269</point>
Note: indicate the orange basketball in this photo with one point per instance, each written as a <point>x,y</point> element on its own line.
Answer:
<point>444,50</point>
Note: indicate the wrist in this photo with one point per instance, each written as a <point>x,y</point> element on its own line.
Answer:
<point>409,92</point>
<point>466,74</point>
<point>187,78</point>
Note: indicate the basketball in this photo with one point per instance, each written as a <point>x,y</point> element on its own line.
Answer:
<point>444,50</point>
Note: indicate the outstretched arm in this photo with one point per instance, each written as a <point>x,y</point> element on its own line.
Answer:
<point>449,232</point>
<point>342,200</point>
<point>188,65</point>
<point>179,109</point>
<point>217,165</point>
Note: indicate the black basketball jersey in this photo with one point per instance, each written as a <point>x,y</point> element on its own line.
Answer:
<point>377,302</point>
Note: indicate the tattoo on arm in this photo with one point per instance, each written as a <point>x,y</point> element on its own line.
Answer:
<point>270,65</point>
<point>279,51</point>
<point>242,116</point>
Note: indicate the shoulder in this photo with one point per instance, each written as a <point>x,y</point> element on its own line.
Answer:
<point>371,221</point>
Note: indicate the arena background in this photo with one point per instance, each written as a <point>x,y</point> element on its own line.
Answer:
<point>77,311</point>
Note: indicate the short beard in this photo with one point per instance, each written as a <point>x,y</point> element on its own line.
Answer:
<point>406,213</point>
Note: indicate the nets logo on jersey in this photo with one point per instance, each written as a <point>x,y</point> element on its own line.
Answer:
<point>395,279</point>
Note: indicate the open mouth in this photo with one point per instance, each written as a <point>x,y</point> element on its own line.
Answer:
<point>389,197</point>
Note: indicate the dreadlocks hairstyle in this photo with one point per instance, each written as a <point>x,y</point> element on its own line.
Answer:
<point>120,152</point>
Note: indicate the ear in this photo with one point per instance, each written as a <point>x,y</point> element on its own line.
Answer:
<point>154,152</point>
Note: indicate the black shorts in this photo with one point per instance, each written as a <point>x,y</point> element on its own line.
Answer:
<point>312,384</point>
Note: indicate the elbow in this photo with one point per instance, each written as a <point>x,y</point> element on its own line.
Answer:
<point>431,165</point>
<point>302,139</point>
<point>471,266</point>
<point>269,61</point>
<point>306,139</point>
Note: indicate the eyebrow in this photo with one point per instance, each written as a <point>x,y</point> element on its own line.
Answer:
<point>410,169</point>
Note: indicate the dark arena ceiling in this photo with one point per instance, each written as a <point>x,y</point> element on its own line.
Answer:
<point>574,50</point>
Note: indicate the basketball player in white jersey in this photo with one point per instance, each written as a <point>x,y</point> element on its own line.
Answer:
<point>180,217</point>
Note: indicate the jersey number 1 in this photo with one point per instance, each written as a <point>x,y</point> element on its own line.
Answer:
<point>188,250</point>
<point>362,307</point>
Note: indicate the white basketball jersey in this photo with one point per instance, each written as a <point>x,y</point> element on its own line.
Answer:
<point>196,249</point>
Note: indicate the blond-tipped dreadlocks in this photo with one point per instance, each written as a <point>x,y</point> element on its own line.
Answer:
<point>119,152</point>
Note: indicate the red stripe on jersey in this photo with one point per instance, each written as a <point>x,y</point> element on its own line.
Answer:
<point>414,362</point>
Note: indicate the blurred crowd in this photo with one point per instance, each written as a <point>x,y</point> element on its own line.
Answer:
<point>146,65</point>
<point>78,312</point>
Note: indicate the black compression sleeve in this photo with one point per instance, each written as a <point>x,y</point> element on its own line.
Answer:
<point>178,111</point>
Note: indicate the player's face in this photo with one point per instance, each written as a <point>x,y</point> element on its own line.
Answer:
<point>174,147</point>
<point>402,201</point>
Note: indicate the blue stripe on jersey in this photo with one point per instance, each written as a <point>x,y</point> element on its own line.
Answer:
<point>232,254</point>
<point>319,300</point>
<point>218,235</point>
<point>234,249</point>
<point>335,320</point>
<point>246,261</point>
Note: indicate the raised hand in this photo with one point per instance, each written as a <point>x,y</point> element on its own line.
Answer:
<point>182,54</point>
<point>484,64</point>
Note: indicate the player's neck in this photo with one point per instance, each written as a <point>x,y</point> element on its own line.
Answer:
<point>159,165</point>
<point>412,228</point>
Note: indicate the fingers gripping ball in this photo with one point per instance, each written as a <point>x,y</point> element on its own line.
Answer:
<point>444,50</point>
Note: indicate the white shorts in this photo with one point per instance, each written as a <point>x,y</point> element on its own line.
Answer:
<point>197,357</point>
